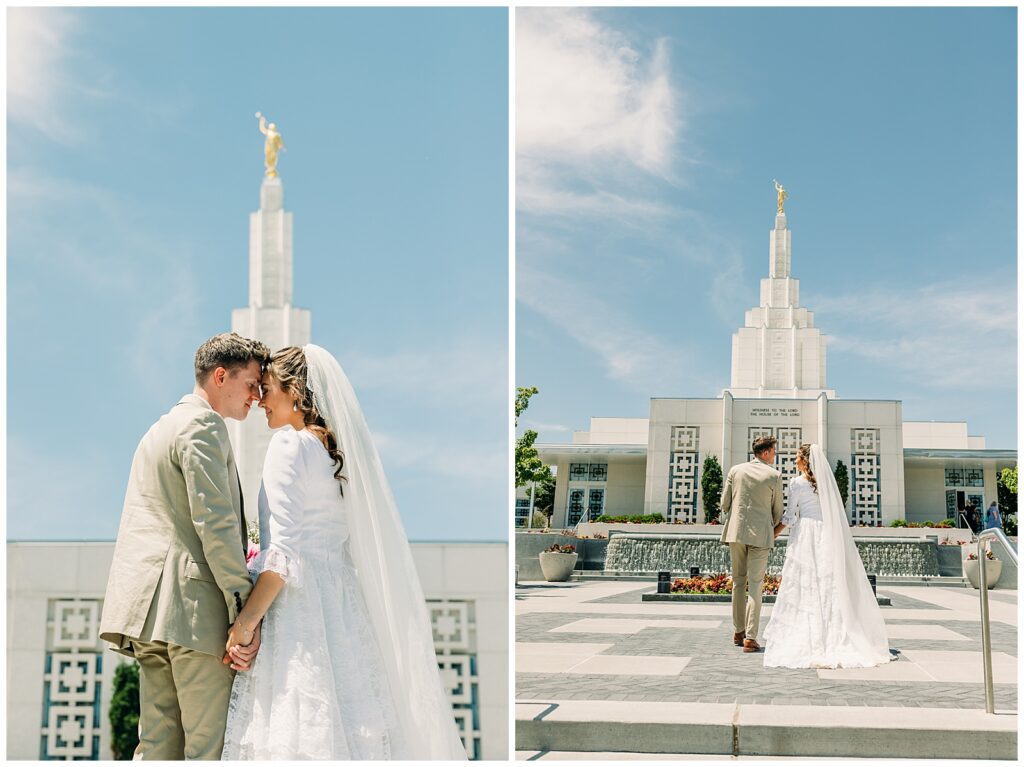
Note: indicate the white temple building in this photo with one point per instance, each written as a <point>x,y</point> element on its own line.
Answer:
<point>899,469</point>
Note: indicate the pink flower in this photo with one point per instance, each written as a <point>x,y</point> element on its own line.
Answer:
<point>251,553</point>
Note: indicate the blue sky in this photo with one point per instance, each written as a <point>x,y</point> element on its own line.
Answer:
<point>134,160</point>
<point>647,141</point>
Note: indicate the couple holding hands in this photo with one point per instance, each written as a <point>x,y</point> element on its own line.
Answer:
<point>826,614</point>
<point>322,647</point>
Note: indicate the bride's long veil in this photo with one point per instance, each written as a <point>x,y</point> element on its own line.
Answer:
<point>862,626</point>
<point>387,574</point>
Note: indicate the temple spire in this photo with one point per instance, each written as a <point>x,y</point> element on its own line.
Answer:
<point>269,317</point>
<point>778,352</point>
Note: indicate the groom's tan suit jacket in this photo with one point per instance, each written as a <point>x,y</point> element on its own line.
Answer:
<point>752,497</point>
<point>179,558</point>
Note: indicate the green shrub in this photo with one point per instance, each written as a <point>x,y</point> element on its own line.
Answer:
<point>124,711</point>
<point>842,476</point>
<point>898,523</point>
<point>711,488</point>
<point>635,518</point>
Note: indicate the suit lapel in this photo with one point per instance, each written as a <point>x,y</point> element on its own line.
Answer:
<point>241,506</point>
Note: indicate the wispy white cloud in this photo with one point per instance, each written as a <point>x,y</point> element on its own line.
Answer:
<point>594,115</point>
<point>630,354</point>
<point>955,334</point>
<point>40,56</point>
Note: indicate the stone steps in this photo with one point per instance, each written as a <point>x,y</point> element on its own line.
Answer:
<point>764,730</point>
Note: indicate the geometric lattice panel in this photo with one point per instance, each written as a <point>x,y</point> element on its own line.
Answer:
<point>73,677</point>
<point>70,734</point>
<point>71,681</point>
<point>683,471</point>
<point>450,624</point>
<point>75,624</point>
<point>454,627</point>
<point>865,477</point>
<point>575,505</point>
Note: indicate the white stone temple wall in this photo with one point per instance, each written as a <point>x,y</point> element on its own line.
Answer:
<point>867,436</point>
<point>925,494</point>
<point>626,483</point>
<point>682,433</point>
<point>54,600</point>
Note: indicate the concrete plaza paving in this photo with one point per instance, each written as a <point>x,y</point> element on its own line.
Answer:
<point>594,651</point>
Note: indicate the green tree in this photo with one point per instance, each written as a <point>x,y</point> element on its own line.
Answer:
<point>843,480</point>
<point>124,711</point>
<point>711,488</point>
<point>530,469</point>
<point>1006,487</point>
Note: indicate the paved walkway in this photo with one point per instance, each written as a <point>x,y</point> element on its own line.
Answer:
<point>597,641</point>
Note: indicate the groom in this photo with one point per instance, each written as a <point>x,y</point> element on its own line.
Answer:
<point>752,497</point>
<point>178,577</point>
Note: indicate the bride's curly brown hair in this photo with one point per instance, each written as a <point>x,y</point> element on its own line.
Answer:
<point>805,453</point>
<point>288,366</point>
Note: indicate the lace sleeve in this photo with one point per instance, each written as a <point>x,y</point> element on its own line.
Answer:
<point>793,506</point>
<point>284,486</point>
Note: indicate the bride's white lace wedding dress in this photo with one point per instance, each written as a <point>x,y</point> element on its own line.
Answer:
<point>317,689</point>
<point>347,668</point>
<point>825,615</point>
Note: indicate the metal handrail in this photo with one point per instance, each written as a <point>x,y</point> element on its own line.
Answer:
<point>993,533</point>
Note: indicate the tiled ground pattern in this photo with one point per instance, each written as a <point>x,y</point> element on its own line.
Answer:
<point>719,673</point>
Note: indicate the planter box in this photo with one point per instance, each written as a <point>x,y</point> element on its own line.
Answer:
<point>556,565</point>
<point>767,600</point>
<point>529,545</point>
<point>972,569</point>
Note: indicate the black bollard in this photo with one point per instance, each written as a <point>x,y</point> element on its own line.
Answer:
<point>664,585</point>
<point>873,580</point>
<point>694,572</point>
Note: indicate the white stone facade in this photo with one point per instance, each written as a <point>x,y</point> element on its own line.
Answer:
<point>60,676</point>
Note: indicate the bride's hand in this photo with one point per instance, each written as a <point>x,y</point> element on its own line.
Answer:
<point>243,656</point>
<point>238,635</point>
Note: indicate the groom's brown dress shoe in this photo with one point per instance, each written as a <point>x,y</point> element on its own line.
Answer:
<point>751,645</point>
<point>737,639</point>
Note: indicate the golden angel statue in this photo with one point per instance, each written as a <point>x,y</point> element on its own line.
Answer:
<point>780,190</point>
<point>271,145</point>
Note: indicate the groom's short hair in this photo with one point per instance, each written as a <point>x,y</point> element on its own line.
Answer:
<point>763,444</point>
<point>229,351</point>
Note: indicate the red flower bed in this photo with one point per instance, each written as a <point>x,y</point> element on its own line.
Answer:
<point>719,583</point>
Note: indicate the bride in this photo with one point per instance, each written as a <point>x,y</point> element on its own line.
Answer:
<point>825,615</point>
<point>346,669</point>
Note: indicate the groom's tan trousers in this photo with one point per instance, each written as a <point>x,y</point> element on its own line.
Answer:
<point>748,567</point>
<point>183,696</point>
